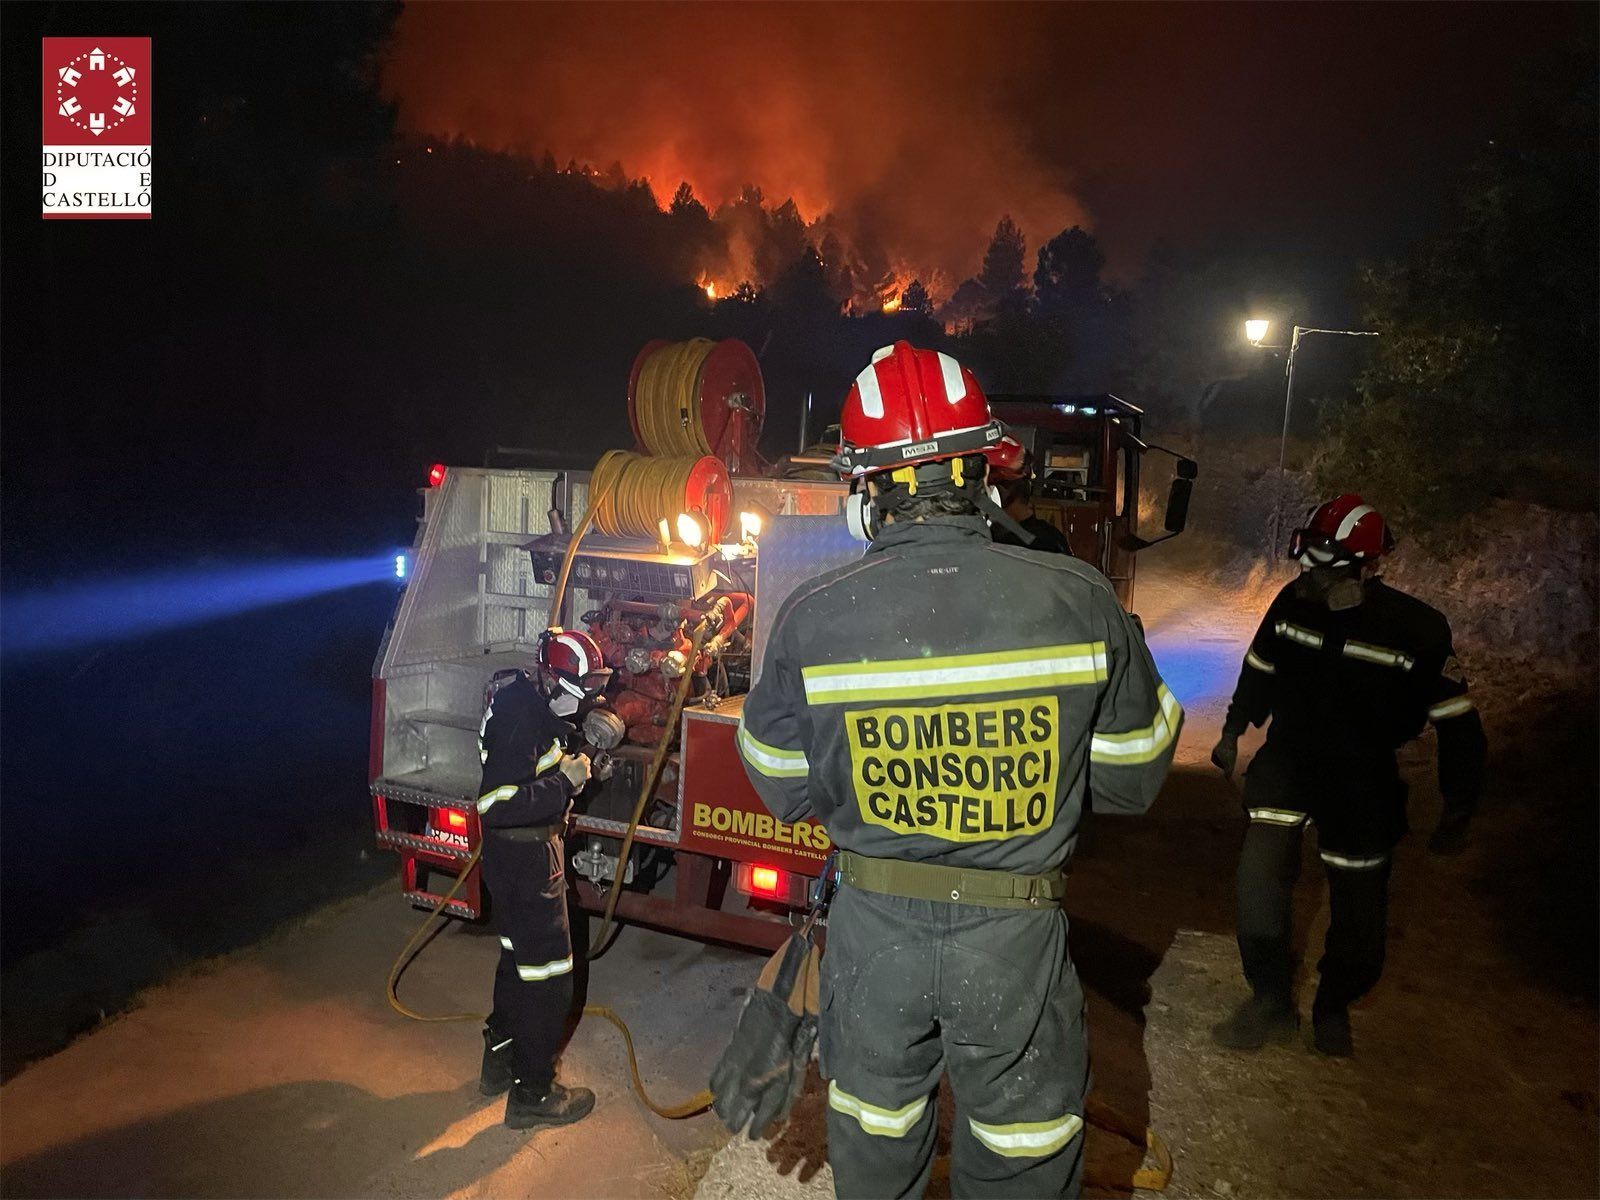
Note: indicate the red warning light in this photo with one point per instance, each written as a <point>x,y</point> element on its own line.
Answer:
<point>764,880</point>
<point>436,475</point>
<point>455,818</point>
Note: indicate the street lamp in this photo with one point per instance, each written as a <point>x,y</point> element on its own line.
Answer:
<point>1255,332</point>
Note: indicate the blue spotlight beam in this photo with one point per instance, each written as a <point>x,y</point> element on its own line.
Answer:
<point>76,615</point>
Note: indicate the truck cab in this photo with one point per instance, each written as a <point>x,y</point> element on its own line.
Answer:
<point>1087,463</point>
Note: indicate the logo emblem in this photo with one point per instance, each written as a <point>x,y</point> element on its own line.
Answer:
<point>96,127</point>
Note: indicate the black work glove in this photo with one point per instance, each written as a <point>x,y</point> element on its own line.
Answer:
<point>760,1074</point>
<point>1225,754</point>
<point>1450,837</point>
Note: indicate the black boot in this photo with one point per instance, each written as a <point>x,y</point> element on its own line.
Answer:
<point>1261,1019</point>
<point>1330,1032</point>
<point>555,1105</point>
<point>496,1075</point>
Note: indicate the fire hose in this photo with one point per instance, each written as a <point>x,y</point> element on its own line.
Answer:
<point>636,491</point>
<point>667,400</point>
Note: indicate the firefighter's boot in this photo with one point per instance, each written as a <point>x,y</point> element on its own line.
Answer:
<point>1263,1018</point>
<point>1330,1031</point>
<point>496,1076</point>
<point>555,1105</point>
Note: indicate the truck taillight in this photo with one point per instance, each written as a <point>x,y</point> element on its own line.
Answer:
<point>455,818</point>
<point>436,474</point>
<point>761,882</point>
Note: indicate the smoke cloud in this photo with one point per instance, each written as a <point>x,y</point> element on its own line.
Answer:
<point>890,120</point>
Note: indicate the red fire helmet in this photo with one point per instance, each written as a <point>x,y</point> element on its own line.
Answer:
<point>1345,529</point>
<point>575,661</point>
<point>913,406</point>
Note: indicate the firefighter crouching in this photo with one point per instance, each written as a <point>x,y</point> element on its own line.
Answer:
<point>946,707</point>
<point>528,785</point>
<point>1347,669</point>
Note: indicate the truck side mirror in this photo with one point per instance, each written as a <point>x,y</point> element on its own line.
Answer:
<point>1178,504</point>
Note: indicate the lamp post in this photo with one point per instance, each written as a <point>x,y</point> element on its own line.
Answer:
<point>1255,332</point>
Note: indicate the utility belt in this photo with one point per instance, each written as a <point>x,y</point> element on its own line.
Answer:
<point>951,885</point>
<point>526,833</point>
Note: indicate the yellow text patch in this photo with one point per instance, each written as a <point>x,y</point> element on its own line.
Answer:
<point>962,772</point>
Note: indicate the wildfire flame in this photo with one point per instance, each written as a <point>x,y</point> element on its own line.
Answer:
<point>922,184</point>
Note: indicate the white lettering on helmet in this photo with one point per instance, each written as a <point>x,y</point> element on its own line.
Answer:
<point>921,448</point>
<point>955,387</point>
<point>871,396</point>
<point>1351,520</point>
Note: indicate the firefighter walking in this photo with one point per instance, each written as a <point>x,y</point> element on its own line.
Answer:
<point>1347,669</point>
<point>947,707</point>
<point>528,784</point>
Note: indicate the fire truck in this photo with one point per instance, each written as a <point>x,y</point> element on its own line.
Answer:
<point>493,545</point>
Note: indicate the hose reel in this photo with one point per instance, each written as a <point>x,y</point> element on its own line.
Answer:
<point>698,397</point>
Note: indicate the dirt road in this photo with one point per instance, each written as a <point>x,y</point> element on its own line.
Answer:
<point>281,1070</point>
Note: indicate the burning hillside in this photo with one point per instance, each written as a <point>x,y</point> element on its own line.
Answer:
<point>851,136</point>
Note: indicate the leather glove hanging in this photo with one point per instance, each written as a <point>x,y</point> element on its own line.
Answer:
<point>762,1072</point>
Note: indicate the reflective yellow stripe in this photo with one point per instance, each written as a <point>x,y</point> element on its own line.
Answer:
<point>1255,660</point>
<point>1354,864</point>
<point>1381,655</point>
<point>1306,637</point>
<point>880,1122</point>
<point>1277,816</point>
<point>1028,1139</point>
<point>956,674</point>
<point>1453,707</point>
<point>771,761</point>
<point>1140,745</point>
<point>489,799</point>
<point>549,759</point>
<point>547,970</point>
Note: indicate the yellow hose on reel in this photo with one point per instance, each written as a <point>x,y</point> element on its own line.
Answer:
<point>667,400</point>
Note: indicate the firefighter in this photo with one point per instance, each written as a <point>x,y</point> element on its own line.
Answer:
<point>1014,490</point>
<point>529,781</point>
<point>1348,669</point>
<point>947,707</point>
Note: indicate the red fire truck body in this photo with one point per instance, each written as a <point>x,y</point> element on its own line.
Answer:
<point>708,859</point>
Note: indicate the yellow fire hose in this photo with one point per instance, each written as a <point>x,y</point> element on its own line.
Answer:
<point>636,492</point>
<point>1095,1113</point>
<point>667,400</point>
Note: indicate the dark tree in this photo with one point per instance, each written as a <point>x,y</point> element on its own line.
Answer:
<point>915,300</point>
<point>1003,276</point>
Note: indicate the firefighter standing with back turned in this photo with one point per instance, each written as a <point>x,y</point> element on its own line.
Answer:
<point>1348,669</point>
<point>528,785</point>
<point>946,707</point>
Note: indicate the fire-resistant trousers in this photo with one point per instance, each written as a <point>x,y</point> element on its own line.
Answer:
<point>914,988</point>
<point>1358,887</point>
<point>533,979</point>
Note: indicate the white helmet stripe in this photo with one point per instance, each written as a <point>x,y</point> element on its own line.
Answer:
<point>881,353</point>
<point>1351,520</point>
<point>871,395</point>
<point>573,644</point>
<point>955,387</point>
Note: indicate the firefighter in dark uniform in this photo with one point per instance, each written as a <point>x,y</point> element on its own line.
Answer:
<point>947,707</point>
<point>528,784</point>
<point>1014,488</point>
<point>1348,669</point>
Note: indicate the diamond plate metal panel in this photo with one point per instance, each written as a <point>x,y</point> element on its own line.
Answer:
<point>794,550</point>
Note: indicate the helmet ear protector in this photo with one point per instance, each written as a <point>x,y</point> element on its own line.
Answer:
<point>863,513</point>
